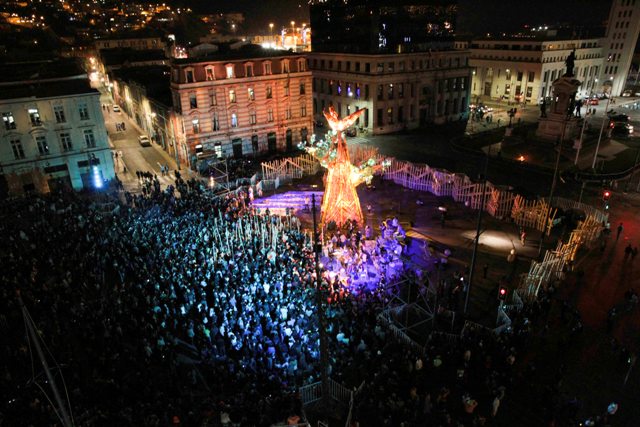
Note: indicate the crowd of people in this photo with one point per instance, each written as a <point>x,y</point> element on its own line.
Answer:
<point>177,308</point>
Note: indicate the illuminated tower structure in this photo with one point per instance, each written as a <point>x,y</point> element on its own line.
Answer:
<point>340,202</point>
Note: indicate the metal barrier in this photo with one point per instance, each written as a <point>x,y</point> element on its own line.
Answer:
<point>398,334</point>
<point>310,393</point>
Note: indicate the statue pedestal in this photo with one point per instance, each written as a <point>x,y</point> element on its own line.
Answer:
<point>550,127</point>
<point>560,121</point>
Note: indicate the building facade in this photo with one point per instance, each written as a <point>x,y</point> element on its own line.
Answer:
<point>53,137</point>
<point>521,71</point>
<point>399,91</point>
<point>137,43</point>
<point>241,104</point>
<point>619,44</point>
<point>379,26</point>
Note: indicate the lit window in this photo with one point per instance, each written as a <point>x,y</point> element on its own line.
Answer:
<point>34,116</point>
<point>251,94</point>
<point>303,111</point>
<point>9,121</point>
<point>195,123</point>
<point>269,93</point>
<point>209,73</point>
<point>230,73</point>
<point>234,120</point>
<point>232,95</point>
<point>302,89</point>
<point>216,123</point>
<point>213,99</point>
<point>252,118</point>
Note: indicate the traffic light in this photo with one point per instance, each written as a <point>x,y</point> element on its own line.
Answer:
<point>502,293</point>
<point>606,195</point>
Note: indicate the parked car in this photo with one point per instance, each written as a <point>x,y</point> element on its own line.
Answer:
<point>116,109</point>
<point>626,93</point>
<point>618,117</point>
<point>621,129</point>
<point>144,140</point>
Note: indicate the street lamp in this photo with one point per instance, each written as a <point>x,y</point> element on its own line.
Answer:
<point>271,29</point>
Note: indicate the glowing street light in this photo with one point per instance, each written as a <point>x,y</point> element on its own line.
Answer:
<point>271,28</point>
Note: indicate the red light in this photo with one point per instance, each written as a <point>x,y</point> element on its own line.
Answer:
<point>607,194</point>
<point>503,291</point>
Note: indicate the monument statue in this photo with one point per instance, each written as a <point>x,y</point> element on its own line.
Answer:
<point>570,63</point>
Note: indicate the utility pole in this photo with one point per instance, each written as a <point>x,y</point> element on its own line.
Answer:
<point>61,410</point>
<point>604,120</point>
<point>472,269</point>
<point>324,353</point>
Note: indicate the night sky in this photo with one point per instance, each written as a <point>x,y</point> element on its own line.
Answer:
<point>475,16</point>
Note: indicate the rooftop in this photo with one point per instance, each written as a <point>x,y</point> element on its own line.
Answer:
<point>245,52</point>
<point>40,70</point>
<point>121,56</point>
<point>47,89</point>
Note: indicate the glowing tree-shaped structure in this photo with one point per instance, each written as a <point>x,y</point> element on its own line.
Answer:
<point>340,201</point>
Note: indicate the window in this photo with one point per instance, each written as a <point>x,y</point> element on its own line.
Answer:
<point>391,67</point>
<point>390,91</point>
<point>18,151</point>
<point>508,74</point>
<point>58,112</point>
<point>41,143</point>
<point>209,72</point>
<point>302,65</point>
<point>401,90</point>
<point>269,92</point>
<point>34,116</point>
<point>379,121</point>
<point>195,125</point>
<point>83,109</point>
<point>529,91</point>
<point>253,118</point>
<point>213,98</point>
<point>380,67</point>
<point>234,120</point>
<point>89,139</point>
<point>248,70</point>
<point>214,122</point>
<point>267,68</point>
<point>302,89</point>
<point>390,115</point>
<point>285,66</point>
<point>189,76</point>
<point>380,92</point>
<point>232,96</point>
<point>532,75</point>
<point>251,94</point>
<point>288,114</point>
<point>286,89</point>
<point>367,67</point>
<point>65,141</point>
<point>230,73</point>
<point>303,110</point>
<point>339,65</point>
<point>9,121</point>
<point>193,101</point>
<point>357,67</point>
<point>519,76</point>
<point>270,115</point>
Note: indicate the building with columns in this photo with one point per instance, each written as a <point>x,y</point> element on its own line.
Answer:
<point>399,91</point>
<point>53,133</point>
<point>619,43</point>
<point>522,70</point>
<point>248,102</point>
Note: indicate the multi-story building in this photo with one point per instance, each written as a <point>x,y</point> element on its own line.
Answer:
<point>619,43</point>
<point>137,43</point>
<point>239,103</point>
<point>522,70</point>
<point>401,91</point>
<point>144,95</point>
<point>379,26</point>
<point>53,135</point>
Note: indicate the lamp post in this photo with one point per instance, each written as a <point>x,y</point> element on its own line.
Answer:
<point>271,29</point>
